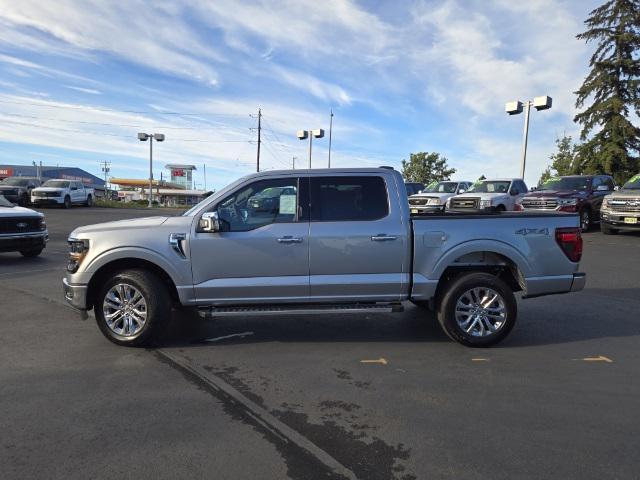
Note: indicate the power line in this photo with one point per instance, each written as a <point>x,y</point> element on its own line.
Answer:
<point>46,127</point>
<point>101,109</point>
<point>35,117</point>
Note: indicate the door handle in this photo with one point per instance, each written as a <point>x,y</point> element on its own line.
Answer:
<point>289,239</point>
<point>381,237</point>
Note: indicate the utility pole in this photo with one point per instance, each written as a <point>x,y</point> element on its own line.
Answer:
<point>259,140</point>
<point>330,130</point>
<point>204,167</point>
<point>293,163</point>
<point>106,170</point>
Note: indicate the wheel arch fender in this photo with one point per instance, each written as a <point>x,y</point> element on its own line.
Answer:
<point>452,256</point>
<point>128,258</point>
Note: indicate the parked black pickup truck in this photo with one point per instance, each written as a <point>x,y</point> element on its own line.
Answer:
<point>575,193</point>
<point>18,189</point>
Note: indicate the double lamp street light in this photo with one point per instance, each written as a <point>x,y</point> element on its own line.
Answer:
<point>515,108</point>
<point>143,137</point>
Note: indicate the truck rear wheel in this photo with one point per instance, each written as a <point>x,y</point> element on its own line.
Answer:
<point>132,308</point>
<point>477,310</point>
<point>66,202</point>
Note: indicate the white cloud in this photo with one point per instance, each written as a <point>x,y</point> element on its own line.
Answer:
<point>90,91</point>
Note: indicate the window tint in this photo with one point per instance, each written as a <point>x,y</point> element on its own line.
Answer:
<point>259,204</point>
<point>597,181</point>
<point>338,199</point>
<point>609,183</point>
<point>522,187</point>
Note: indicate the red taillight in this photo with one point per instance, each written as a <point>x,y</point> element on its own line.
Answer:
<point>570,241</point>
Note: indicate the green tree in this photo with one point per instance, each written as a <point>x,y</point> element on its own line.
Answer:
<point>565,161</point>
<point>426,167</point>
<point>613,88</point>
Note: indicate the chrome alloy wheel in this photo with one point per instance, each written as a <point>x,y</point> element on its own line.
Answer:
<point>480,312</point>
<point>125,310</point>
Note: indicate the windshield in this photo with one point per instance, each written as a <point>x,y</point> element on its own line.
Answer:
<point>633,183</point>
<point>5,203</point>
<point>56,184</point>
<point>444,187</point>
<point>16,182</point>
<point>490,187</point>
<point>566,183</point>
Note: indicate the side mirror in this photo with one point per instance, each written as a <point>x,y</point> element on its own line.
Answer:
<point>462,190</point>
<point>602,188</point>
<point>616,188</point>
<point>209,222</point>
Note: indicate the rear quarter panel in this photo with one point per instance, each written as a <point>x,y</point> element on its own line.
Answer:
<point>528,240</point>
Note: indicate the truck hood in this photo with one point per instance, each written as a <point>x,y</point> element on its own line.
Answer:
<point>120,225</point>
<point>6,212</point>
<point>556,194</point>
<point>483,196</point>
<point>625,193</point>
<point>49,189</point>
<point>11,187</point>
<point>432,195</point>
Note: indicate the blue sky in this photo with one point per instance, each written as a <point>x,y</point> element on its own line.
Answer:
<point>79,79</point>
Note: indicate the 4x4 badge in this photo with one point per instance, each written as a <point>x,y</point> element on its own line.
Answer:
<point>533,231</point>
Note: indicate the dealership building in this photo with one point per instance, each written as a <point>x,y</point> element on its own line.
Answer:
<point>47,173</point>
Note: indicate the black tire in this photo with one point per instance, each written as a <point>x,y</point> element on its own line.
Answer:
<point>67,202</point>
<point>31,253</point>
<point>457,289</point>
<point>607,230</point>
<point>158,307</point>
<point>501,208</point>
<point>89,201</point>
<point>585,220</point>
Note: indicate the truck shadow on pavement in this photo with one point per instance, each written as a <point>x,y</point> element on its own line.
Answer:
<point>414,325</point>
<point>543,321</point>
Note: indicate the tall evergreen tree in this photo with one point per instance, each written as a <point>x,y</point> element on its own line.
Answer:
<point>426,168</point>
<point>565,161</point>
<point>613,88</point>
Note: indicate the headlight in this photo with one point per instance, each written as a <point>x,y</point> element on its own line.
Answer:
<point>563,202</point>
<point>605,203</point>
<point>78,249</point>
<point>434,201</point>
<point>485,203</point>
<point>43,224</point>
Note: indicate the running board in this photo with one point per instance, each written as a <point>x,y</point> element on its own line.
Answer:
<point>309,309</point>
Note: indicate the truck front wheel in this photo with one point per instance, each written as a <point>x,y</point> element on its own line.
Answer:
<point>132,308</point>
<point>477,310</point>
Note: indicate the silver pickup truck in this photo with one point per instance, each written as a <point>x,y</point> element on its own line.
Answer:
<point>320,241</point>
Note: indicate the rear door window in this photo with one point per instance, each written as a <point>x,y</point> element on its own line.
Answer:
<point>349,198</point>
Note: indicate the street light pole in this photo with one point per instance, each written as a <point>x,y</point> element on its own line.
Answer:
<point>304,134</point>
<point>515,108</point>
<point>143,137</point>
<point>150,169</point>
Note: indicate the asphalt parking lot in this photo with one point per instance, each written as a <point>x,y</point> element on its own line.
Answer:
<point>369,397</point>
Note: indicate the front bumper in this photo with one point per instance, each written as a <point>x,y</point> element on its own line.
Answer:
<point>75,295</point>
<point>618,219</point>
<point>47,200</point>
<point>419,209</point>
<point>15,242</point>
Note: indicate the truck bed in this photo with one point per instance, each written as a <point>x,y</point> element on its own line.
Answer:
<point>523,242</point>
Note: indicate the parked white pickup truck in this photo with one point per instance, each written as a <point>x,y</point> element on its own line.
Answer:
<point>62,192</point>
<point>320,241</point>
<point>499,195</point>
